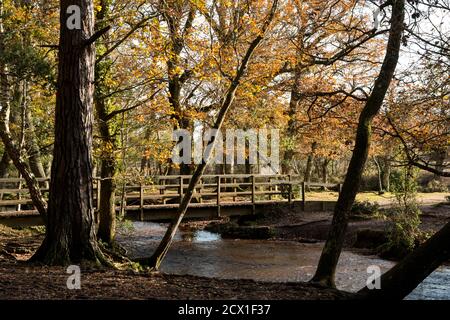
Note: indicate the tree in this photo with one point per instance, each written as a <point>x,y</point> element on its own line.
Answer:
<point>70,232</point>
<point>163,247</point>
<point>330,255</point>
<point>406,275</point>
<point>11,148</point>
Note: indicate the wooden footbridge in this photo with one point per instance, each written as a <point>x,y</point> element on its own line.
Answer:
<point>158,198</point>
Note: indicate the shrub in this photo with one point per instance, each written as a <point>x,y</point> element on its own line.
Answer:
<point>365,208</point>
<point>435,186</point>
<point>125,226</point>
<point>404,215</point>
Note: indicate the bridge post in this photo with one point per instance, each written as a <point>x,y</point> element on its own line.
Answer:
<point>270,189</point>
<point>162,190</point>
<point>218,196</point>
<point>181,189</point>
<point>234,189</point>
<point>141,201</point>
<point>253,195</point>
<point>303,196</point>
<point>98,193</point>
<point>290,189</point>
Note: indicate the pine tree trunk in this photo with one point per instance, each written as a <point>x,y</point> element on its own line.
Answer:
<point>70,234</point>
<point>325,273</point>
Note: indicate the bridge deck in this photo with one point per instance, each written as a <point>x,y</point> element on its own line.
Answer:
<point>214,196</point>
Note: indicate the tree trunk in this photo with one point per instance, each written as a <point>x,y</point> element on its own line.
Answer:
<point>161,250</point>
<point>439,158</point>
<point>34,152</point>
<point>70,234</point>
<point>108,161</point>
<point>404,277</point>
<point>4,165</point>
<point>10,147</point>
<point>380,181</point>
<point>288,156</point>
<point>325,163</point>
<point>309,165</point>
<point>386,174</point>
<point>326,269</point>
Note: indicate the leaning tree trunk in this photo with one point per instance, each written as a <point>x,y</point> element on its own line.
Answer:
<point>161,251</point>
<point>70,234</point>
<point>404,277</point>
<point>5,133</point>
<point>326,268</point>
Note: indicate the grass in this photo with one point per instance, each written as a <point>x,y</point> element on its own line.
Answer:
<point>385,198</point>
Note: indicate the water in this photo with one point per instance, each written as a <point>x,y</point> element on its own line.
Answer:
<point>202,253</point>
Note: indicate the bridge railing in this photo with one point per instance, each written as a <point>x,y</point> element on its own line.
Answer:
<point>167,191</point>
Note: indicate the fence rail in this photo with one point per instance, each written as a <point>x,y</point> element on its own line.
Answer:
<point>167,191</point>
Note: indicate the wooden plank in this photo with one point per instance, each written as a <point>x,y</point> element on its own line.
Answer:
<point>16,180</point>
<point>14,191</point>
<point>15,202</point>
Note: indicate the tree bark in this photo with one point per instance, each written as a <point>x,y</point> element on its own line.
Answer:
<point>70,235</point>
<point>161,251</point>
<point>108,161</point>
<point>325,273</point>
<point>5,133</point>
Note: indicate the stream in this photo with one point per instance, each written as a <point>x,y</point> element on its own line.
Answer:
<point>205,254</point>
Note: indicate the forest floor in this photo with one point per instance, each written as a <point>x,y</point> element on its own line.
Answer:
<point>22,280</point>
